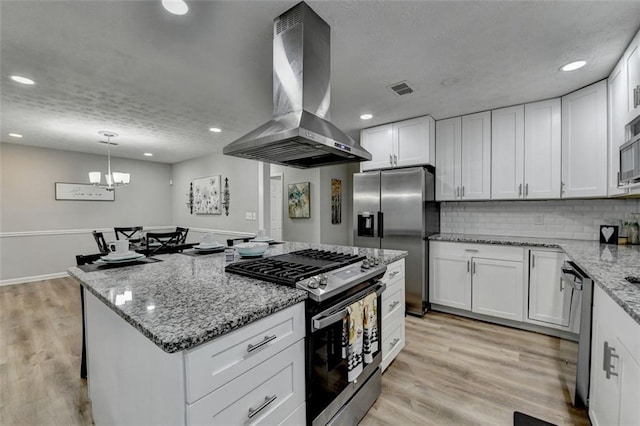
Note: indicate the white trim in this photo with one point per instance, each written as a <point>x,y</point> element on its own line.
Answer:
<point>22,280</point>
<point>224,232</point>
<point>70,231</point>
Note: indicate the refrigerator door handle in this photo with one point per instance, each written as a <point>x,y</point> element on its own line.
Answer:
<point>381,224</point>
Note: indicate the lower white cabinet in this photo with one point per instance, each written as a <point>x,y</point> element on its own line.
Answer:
<point>485,279</point>
<point>393,312</point>
<point>614,394</point>
<point>551,302</point>
<point>252,375</point>
<point>497,288</point>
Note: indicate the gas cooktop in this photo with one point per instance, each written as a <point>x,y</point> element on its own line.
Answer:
<point>292,267</point>
<point>323,274</point>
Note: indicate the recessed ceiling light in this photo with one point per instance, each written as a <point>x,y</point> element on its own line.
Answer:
<point>22,80</point>
<point>177,7</point>
<point>215,130</point>
<point>366,117</point>
<point>572,66</point>
<point>148,154</point>
<point>15,135</point>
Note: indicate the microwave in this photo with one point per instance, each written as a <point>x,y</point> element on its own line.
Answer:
<point>630,154</point>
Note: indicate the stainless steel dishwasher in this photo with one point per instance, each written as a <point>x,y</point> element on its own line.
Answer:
<point>578,362</point>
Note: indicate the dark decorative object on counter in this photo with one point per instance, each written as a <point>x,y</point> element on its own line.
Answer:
<point>226,197</point>
<point>190,202</point>
<point>609,234</point>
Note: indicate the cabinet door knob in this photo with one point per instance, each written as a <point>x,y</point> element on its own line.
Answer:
<point>526,189</point>
<point>463,190</point>
<point>391,159</point>
<point>520,190</point>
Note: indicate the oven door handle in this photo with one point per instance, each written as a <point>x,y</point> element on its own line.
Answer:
<point>330,316</point>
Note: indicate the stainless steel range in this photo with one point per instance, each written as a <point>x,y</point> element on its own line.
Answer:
<point>334,281</point>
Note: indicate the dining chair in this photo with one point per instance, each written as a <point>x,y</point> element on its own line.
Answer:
<point>129,233</point>
<point>102,245</point>
<point>162,242</point>
<point>183,234</point>
<point>84,259</point>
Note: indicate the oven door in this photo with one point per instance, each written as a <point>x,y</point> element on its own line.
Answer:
<point>328,388</point>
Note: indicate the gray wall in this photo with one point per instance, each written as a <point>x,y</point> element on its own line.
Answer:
<point>49,232</point>
<point>243,187</point>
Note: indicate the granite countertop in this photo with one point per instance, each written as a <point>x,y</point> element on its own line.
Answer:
<point>185,301</point>
<point>606,264</point>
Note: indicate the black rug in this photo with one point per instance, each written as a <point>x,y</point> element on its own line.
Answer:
<point>520,419</point>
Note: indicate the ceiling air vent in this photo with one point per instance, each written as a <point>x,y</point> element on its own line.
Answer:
<point>401,88</point>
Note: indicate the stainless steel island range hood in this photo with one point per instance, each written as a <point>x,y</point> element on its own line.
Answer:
<point>300,134</point>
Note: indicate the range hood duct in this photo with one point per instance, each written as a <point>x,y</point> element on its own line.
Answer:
<point>300,133</point>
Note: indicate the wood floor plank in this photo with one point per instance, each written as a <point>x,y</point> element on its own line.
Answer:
<point>453,370</point>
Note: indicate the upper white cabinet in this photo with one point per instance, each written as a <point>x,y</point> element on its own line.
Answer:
<point>616,119</point>
<point>448,148</point>
<point>507,153</point>
<point>463,161</point>
<point>542,149</point>
<point>631,60</point>
<point>584,142</point>
<point>476,156</point>
<point>405,143</point>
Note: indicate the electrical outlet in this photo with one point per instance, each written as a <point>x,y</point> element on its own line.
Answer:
<point>253,215</point>
<point>247,215</point>
<point>538,219</point>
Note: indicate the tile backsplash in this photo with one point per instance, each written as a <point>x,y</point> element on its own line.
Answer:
<point>573,219</point>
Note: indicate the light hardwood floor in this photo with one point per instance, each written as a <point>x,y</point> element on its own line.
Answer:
<point>453,371</point>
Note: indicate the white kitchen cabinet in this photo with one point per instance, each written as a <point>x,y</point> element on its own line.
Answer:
<point>550,300</point>
<point>614,393</point>
<point>393,313</point>
<point>476,156</point>
<point>507,153</point>
<point>481,278</point>
<point>463,159</point>
<point>632,65</point>
<point>497,288</point>
<point>449,275</point>
<point>584,142</point>
<point>405,143</point>
<point>448,157</point>
<point>542,149</point>
<point>203,385</point>
<point>617,115</point>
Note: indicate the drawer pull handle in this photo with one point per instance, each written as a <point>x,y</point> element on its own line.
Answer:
<point>609,352</point>
<point>471,250</point>
<point>395,342</point>
<point>394,304</point>
<point>393,274</point>
<point>267,400</point>
<point>266,340</point>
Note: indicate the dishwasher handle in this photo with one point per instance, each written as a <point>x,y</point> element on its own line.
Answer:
<point>572,278</point>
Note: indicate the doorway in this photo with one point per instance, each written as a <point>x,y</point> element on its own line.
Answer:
<point>277,188</point>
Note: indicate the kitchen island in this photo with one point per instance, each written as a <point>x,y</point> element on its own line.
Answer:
<point>167,341</point>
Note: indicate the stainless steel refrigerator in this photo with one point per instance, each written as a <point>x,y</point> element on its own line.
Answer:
<point>396,209</point>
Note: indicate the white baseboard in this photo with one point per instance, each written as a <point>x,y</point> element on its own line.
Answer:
<point>23,280</point>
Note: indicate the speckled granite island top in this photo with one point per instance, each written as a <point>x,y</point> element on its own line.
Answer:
<point>606,264</point>
<point>185,301</point>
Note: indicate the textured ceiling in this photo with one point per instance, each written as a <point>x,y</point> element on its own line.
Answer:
<point>161,81</point>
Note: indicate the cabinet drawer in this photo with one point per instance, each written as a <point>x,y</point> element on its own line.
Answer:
<point>487,251</point>
<point>212,365</point>
<point>395,271</point>
<point>266,394</point>
<point>392,342</point>
<point>392,302</point>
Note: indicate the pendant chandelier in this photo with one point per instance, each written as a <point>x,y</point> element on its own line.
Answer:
<point>112,180</point>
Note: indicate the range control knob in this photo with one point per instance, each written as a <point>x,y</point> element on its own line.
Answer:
<point>365,264</point>
<point>323,280</point>
<point>313,282</point>
<point>376,261</point>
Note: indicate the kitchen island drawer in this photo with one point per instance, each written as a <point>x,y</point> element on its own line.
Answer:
<point>267,394</point>
<point>392,301</point>
<point>212,365</point>
<point>392,341</point>
<point>395,271</point>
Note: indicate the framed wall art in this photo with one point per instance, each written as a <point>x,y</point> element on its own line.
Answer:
<point>82,192</point>
<point>336,201</point>
<point>206,195</point>
<point>299,200</point>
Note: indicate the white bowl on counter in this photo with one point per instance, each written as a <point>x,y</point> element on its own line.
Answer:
<point>252,248</point>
